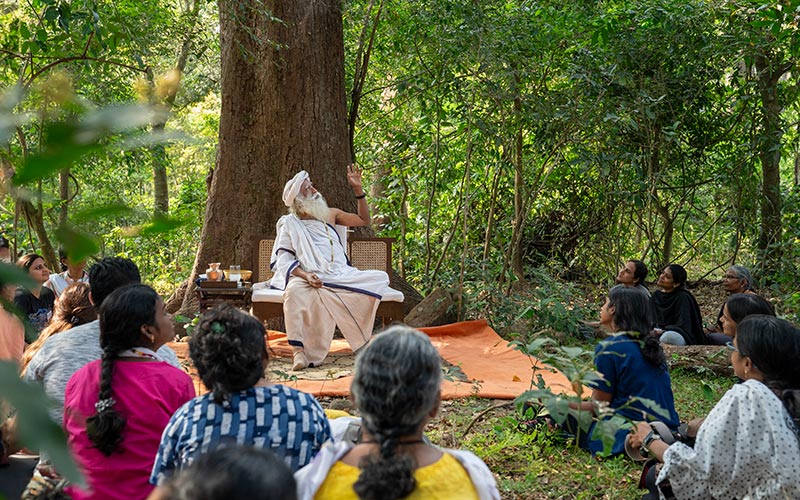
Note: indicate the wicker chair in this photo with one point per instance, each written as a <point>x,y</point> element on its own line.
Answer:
<point>364,253</point>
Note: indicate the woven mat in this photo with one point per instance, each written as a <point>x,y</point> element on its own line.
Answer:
<point>335,366</point>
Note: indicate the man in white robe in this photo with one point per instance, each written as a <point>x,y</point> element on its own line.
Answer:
<point>321,289</point>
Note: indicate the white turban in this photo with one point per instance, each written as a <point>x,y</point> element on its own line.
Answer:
<point>292,188</point>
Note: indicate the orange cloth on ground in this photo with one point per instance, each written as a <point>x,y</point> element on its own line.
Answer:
<point>497,370</point>
<point>444,479</point>
<point>501,372</point>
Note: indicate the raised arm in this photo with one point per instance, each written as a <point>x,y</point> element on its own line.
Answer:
<point>362,218</point>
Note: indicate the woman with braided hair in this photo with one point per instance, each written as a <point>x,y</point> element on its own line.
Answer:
<point>115,408</point>
<point>228,349</point>
<point>397,390</point>
<point>749,445</point>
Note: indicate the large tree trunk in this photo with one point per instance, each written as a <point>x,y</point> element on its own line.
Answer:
<point>283,110</point>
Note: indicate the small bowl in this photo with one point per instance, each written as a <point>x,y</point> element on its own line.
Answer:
<point>246,274</point>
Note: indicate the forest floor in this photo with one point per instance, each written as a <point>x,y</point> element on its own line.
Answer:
<point>538,465</point>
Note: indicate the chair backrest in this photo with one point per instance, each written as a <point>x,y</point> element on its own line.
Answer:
<point>264,253</point>
<point>371,253</point>
<point>364,253</point>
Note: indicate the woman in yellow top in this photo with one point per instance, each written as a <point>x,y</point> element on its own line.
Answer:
<point>397,390</point>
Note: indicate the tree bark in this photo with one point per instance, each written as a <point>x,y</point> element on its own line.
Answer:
<point>770,156</point>
<point>283,110</point>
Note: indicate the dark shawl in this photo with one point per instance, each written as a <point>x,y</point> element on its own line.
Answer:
<point>678,311</point>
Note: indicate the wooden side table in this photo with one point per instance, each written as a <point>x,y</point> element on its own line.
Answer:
<point>212,293</point>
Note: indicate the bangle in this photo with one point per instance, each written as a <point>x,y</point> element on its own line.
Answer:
<point>361,196</point>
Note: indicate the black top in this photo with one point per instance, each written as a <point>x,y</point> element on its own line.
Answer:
<point>38,311</point>
<point>678,311</point>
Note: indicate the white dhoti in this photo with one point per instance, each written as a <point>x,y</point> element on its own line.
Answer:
<point>312,314</point>
<point>349,297</point>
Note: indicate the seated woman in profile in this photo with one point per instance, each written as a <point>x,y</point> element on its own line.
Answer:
<point>632,275</point>
<point>678,319</point>
<point>116,408</point>
<point>749,445</point>
<point>737,281</point>
<point>397,390</point>
<point>738,307</point>
<point>229,351</point>
<point>632,364</point>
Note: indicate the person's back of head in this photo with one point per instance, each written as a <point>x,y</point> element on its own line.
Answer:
<point>122,315</point>
<point>742,305</point>
<point>110,273</point>
<point>228,349</point>
<point>229,473</point>
<point>633,314</point>
<point>773,346</point>
<point>396,387</point>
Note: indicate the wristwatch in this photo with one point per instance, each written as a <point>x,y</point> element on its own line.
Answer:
<point>648,440</point>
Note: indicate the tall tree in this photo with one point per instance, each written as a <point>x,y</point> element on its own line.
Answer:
<point>283,110</point>
<point>769,39</point>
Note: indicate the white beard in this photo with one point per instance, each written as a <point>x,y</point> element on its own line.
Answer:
<point>314,206</point>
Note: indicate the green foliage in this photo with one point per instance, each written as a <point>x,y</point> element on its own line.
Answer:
<point>575,363</point>
<point>34,427</point>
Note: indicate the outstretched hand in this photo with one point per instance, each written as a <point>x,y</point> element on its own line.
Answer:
<point>354,176</point>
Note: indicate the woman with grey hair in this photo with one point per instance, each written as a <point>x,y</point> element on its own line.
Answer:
<point>397,390</point>
<point>737,279</point>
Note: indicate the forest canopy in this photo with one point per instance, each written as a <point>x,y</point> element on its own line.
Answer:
<point>503,140</point>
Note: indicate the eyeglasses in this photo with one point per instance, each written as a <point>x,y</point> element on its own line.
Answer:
<point>732,347</point>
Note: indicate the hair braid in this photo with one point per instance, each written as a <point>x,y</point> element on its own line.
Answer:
<point>396,385</point>
<point>105,428</point>
<point>388,476</point>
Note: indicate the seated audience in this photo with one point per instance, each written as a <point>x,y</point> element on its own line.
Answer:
<point>36,303</point>
<point>229,473</point>
<point>749,445</point>
<point>116,408</point>
<point>73,308</point>
<point>71,272</point>
<point>12,331</point>
<point>632,364</point>
<point>397,390</point>
<point>632,275</point>
<point>60,356</point>
<point>678,319</point>
<point>229,351</point>
<point>734,310</point>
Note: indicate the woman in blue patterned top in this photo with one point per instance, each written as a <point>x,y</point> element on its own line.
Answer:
<point>633,367</point>
<point>228,350</point>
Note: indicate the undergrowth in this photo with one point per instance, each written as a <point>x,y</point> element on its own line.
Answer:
<point>537,464</point>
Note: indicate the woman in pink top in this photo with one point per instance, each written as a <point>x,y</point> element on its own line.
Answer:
<point>116,408</point>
